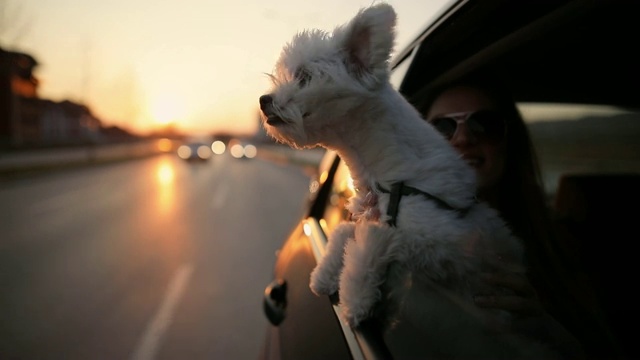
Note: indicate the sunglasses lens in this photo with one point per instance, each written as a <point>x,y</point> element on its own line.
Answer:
<point>488,124</point>
<point>485,124</point>
<point>445,125</point>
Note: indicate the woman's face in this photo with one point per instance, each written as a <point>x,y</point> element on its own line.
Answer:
<point>486,157</point>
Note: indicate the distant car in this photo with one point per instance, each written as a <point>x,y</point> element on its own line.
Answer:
<point>218,147</point>
<point>195,151</point>
<point>241,149</point>
<point>573,68</point>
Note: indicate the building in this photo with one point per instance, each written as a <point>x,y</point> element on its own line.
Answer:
<point>28,121</point>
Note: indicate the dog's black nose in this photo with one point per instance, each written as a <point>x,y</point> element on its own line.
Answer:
<point>265,100</point>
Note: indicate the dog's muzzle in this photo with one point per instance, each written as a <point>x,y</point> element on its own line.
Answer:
<point>266,105</point>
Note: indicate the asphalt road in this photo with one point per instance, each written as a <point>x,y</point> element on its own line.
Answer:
<point>146,259</point>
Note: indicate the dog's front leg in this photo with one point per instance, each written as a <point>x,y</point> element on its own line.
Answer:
<point>365,268</point>
<point>326,276</point>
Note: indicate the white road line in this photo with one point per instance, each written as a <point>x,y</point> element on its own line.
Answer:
<point>148,345</point>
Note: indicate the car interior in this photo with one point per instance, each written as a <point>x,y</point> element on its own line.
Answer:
<point>583,48</point>
<point>569,52</point>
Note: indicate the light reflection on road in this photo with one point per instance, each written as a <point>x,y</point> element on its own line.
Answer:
<point>165,176</point>
<point>168,229</point>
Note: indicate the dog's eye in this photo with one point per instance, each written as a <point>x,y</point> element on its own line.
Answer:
<point>302,76</point>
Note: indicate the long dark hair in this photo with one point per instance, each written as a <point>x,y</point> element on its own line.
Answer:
<point>521,196</point>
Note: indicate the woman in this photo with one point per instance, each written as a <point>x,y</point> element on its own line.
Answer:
<point>483,123</point>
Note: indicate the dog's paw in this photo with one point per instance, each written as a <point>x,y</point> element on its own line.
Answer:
<point>321,284</point>
<point>354,317</point>
<point>357,307</point>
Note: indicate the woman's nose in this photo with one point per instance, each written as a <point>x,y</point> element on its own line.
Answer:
<point>463,136</point>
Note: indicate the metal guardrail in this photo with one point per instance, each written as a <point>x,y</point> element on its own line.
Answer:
<point>307,158</point>
<point>16,162</point>
<point>19,161</point>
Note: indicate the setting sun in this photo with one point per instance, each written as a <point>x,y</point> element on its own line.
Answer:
<point>167,109</point>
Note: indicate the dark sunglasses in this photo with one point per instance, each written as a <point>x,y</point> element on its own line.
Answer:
<point>487,125</point>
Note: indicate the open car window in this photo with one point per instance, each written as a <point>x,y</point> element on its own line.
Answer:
<point>582,139</point>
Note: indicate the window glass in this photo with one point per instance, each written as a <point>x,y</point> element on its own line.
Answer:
<point>398,72</point>
<point>575,138</point>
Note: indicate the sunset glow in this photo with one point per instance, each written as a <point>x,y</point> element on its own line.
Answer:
<point>167,109</point>
<point>197,64</point>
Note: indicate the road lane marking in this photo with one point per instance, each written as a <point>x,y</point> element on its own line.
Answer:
<point>148,345</point>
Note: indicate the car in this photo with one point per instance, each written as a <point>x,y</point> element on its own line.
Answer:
<point>195,151</point>
<point>572,67</point>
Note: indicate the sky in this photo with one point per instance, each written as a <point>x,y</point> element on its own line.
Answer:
<point>198,65</point>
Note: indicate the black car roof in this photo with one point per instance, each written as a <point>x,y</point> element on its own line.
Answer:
<point>546,51</point>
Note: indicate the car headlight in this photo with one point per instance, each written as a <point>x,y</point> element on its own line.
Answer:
<point>250,151</point>
<point>184,152</point>
<point>218,147</point>
<point>204,152</point>
<point>237,151</point>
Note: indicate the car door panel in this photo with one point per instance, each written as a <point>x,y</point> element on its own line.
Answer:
<point>310,324</point>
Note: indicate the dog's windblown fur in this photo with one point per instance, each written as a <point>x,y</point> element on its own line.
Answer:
<point>333,90</point>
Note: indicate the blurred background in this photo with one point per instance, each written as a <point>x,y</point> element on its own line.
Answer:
<point>146,67</point>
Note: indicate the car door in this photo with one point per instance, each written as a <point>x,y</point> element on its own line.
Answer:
<point>307,326</point>
<point>303,325</point>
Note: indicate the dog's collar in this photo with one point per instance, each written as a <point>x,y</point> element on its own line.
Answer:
<point>399,189</point>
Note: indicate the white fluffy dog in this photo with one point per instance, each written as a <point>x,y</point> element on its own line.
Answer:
<point>414,207</point>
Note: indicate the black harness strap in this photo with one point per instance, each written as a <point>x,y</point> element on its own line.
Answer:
<point>399,189</point>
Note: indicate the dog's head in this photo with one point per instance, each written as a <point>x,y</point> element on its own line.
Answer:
<point>322,80</point>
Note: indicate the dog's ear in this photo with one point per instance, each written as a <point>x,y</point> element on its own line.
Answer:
<point>368,41</point>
